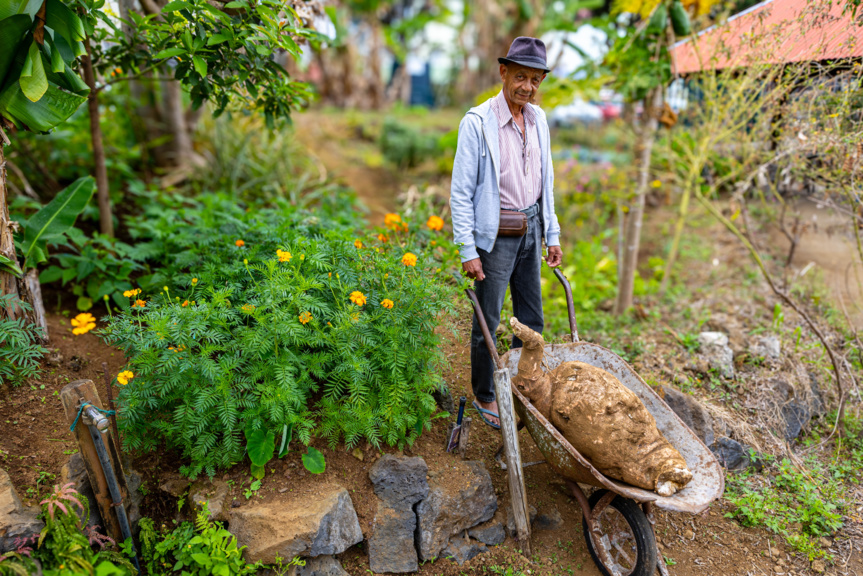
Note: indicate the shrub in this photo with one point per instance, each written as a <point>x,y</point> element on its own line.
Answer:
<point>281,321</point>
<point>20,344</point>
<point>65,548</point>
<point>405,146</point>
<point>201,549</point>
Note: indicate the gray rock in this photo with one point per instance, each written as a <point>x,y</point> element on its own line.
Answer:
<point>399,480</point>
<point>454,506</point>
<point>798,403</point>
<point>321,566</point>
<point>463,549</point>
<point>391,546</point>
<point>692,412</point>
<point>551,520</point>
<point>443,398</point>
<point>492,533</point>
<point>767,347</point>
<point>510,518</point>
<point>309,526</point>
<point>715,350</point>
<point>215,494</point>
<point>733,455</point>
<point>17,522</point>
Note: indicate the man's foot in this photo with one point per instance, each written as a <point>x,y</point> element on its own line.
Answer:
<point>490,407</point>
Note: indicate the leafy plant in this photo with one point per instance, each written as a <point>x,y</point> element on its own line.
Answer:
<point>252,489</point>
<point>284,320</point>
<point>94,267</point>
<point>65,548</point>
<point>405,146</point>
<point>314,461</point>
<point>20,344</point>
<point>202,549</point>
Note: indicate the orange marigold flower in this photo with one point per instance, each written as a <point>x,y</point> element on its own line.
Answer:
<point>305,317</point>
<point>83,323</point>
<point>387,303</point>
<point>139,304</point>
<point>409,259</point>
<point>283,255</point>
<point>435,223</point>
<point>240,243</point>
<point>185,303</point>
<point>358,298</point>
<point>247,308</point>
<point>382,237</point>
<point>358,244</point>
<point>392,221</point>
<point>130,293</point>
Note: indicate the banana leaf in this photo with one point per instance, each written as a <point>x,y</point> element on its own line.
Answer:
<point>63,21</point>
<point>14,31</point>
<point>52,109</point>
<point>24,7</point>
<point>33,81</point>
<point>55,219</point>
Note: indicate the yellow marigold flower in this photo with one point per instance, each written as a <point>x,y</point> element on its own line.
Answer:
<point>283,255</point>
<point>302,256</point>
<point>305,317</point>
<point>358,244</point>
<point>409,259</point>
<point>655,184</point>
<point>382,237</point>
<point>130,293</point>
<point>83,323</point>
<point>392,221</point>
<point>240,243</point>
<point>387,303</point>
<point>194,281</point>
<point>435,223</point>
<point>358,298</point>
<point>124,377</point>
<point>185,303</point>
<point>246,261</point>
<point>247,308</point>
<point>139,304</point>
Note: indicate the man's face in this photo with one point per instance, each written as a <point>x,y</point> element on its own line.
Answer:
<point>520,83</point>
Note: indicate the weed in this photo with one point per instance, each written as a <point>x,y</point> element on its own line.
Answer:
<point>252,489</point>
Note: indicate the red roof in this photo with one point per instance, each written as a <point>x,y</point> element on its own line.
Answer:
<point>773,32</point>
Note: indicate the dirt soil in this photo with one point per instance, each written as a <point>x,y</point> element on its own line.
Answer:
<point>702,544</point>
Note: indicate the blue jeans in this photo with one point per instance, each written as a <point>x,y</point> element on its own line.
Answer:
<point>514,261</point>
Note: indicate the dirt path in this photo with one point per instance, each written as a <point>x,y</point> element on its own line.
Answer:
<point>827,246</point>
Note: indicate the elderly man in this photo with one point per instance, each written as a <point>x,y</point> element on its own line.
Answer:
<point>502,202</point>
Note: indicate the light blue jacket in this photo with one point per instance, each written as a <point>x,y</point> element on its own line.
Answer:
<point>475,192</point>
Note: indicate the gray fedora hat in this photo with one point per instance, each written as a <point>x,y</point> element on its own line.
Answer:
<point>528,52</point>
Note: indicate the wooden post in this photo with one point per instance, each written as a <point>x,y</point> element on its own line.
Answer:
<point>464,437</point>
<point>512,454</point>
<point>72,395</point>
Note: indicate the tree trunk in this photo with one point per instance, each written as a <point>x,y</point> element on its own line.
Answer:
<point>175,120</point>
<point>643,148</point>
<point>27,288</point>
<point>106,218</point>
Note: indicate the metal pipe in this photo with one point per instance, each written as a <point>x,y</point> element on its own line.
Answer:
<point>570,305</point>
<point>482,324</point>
<point>116,497</point>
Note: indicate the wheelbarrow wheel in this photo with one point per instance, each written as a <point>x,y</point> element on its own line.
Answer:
<point>627,535</point>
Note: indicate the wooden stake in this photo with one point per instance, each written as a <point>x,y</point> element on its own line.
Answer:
<point>72,396</point>
<point>512,454</point>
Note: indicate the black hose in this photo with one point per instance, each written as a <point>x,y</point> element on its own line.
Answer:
<point>117,499</point>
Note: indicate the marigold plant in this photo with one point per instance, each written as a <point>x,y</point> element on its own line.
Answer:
<point>309,359</point>
<point>83,323</point>
<point>435,223</point>
<point>409,259</point>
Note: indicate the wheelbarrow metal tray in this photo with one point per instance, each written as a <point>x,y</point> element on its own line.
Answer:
<point>707,482</point>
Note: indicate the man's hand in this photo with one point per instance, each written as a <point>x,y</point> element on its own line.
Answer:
<point>555,257</point>
<point>473,269</point>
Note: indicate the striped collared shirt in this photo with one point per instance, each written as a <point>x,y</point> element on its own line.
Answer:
<point>520,162</point>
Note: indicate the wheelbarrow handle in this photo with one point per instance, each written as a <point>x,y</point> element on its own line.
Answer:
<point>484,326</point>
<point>570,305</point>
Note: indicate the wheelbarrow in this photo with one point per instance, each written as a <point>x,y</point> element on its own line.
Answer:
<point>618,519</point>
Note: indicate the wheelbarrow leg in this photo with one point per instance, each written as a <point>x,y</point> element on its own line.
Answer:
<point>591,516</point>
<point>660,559</point>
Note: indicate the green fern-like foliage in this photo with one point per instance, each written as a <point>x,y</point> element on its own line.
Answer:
<point>266,334</point>
<point>20,344</point>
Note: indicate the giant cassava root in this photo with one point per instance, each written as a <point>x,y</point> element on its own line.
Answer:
<point>601,418</point>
